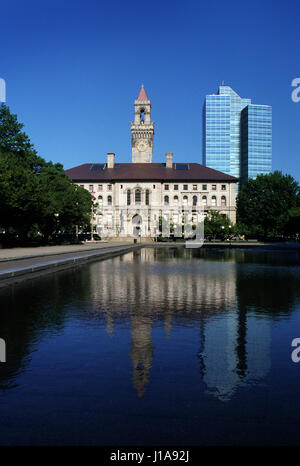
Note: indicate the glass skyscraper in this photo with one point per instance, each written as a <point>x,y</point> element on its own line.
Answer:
<point>256,136</point>
<point>226,122</point>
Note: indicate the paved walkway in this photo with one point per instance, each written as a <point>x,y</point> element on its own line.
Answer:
<point>18,253</point>
<point>18,266</point>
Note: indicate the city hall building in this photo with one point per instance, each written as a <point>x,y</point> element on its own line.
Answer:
<point>134,199</point>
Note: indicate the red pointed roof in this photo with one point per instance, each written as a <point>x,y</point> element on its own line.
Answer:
<point>142,94</point>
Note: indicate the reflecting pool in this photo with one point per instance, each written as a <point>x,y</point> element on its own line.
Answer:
<point>158,346</point>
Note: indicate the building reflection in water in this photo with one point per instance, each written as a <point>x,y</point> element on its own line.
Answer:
<point>143,286</point>
<point>230,296</point>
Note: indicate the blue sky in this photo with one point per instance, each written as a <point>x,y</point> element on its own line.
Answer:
<point>74,68</point>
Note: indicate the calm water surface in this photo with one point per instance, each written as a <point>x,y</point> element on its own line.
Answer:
<point>158,346</point>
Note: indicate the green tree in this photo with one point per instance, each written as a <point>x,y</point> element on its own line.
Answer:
<point>18,195</point>
<point>62,204</point>
<point>218,226</point>
<point>35,196</point>
<point>14,141</point>
<point>265,206</point>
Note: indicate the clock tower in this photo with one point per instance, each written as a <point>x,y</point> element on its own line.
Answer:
<point>142,130</point>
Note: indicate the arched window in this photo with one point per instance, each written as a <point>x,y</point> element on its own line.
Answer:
<point>166,200</point>
<point>204,200</point>
<point>109,200</point>
<point>214,201</point>
<point>137,196</point>
<point>185,200</point>
<point>195,200</point>
<point>142,115</point>
<point>100,200</point>
<point>175,199</point>
<point>147,197</point>
<point>128,197</point>
<point>223,201</point>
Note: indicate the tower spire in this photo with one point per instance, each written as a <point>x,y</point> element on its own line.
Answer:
<point>142,95</point>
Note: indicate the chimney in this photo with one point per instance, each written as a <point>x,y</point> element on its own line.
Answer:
<point>110,160</point>
<point>169,159</point>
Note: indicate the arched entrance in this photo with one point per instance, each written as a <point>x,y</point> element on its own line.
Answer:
<point>137,225</point>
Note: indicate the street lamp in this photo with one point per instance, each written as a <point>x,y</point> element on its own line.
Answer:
<point>223,231</point>
<point>56,215</point>
<point>230,226</point>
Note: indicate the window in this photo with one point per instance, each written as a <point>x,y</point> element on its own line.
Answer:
<point>147,196</point>
<point>142,115</point>
<point>137,196</point>
<point>195,187</point>
<point>204,187</point>
<point>175,187</point>
<point>154,186</point>
<point>166,187</point>
<point>214,187</point>
<point>185,187</point>
<point>128,197</point>
<point>109,200</point>
<point>100,187</point>
<point>91,188</point>
<point>223,201</point>
<point>195,200</point>
<point>185,200</point>
<point>204,200</point>
<point>100,200</point>
<point>109,187</point>
<point>214,201</point>
<point>121,186</point>
<point>82,185</point>
<point>175,199</point>
<point>166,200</point>
<point>223,187</point>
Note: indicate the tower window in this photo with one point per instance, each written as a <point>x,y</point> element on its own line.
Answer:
<point>142,115</point>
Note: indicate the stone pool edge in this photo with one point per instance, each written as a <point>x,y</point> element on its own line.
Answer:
<point>36,270</point>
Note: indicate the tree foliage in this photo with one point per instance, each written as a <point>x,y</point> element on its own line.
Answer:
<point>218,226</point>
<point>269,206</point>
<point>36,197</point>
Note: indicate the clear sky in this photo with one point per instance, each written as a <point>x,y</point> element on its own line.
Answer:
<point>74,68</point>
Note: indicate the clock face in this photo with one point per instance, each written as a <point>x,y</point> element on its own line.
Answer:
<point>142,145</point>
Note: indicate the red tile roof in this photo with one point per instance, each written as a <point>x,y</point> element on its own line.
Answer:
<point>146,172</point>
<point>142,95</point>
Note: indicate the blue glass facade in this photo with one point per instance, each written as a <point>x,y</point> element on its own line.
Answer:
<point>256,135</point>
<point>223,148</point>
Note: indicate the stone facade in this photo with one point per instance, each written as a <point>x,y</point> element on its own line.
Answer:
<point>125,201</point>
